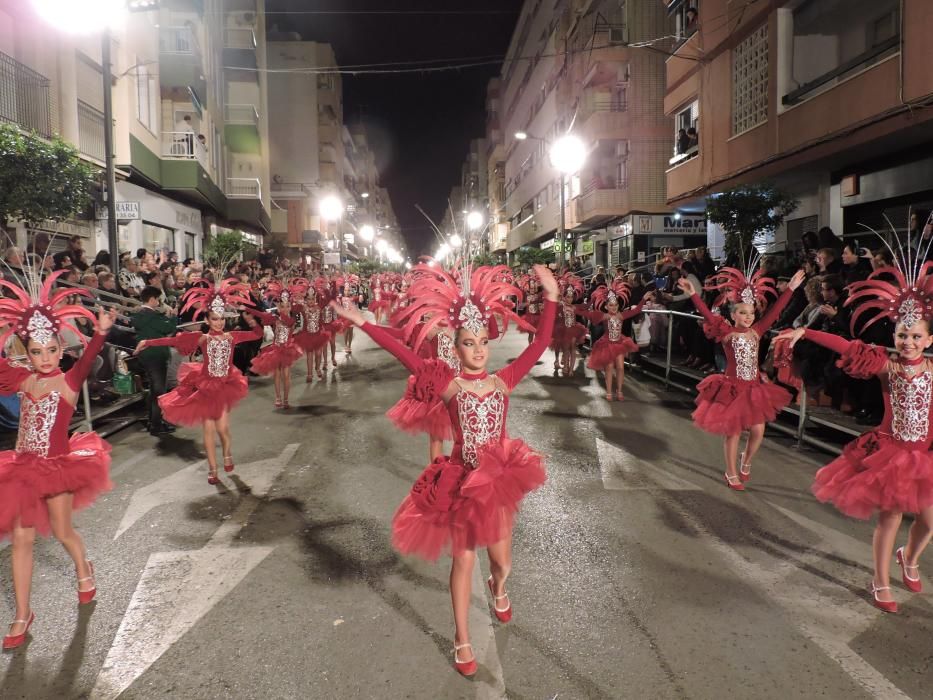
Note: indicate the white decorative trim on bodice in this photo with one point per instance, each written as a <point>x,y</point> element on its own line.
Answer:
<point>36,418</point>
<point>614,328</point>
<point>282,333</point>
<point>314,321</point>
<point>745,348</point>
<point>570,316</point>
<point>481,421</point>
<point>910,405</point>
<point>218,352</point>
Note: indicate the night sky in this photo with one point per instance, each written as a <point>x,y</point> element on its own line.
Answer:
<point>420,124</point>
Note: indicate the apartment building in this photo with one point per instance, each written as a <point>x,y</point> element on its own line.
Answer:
<point>826,99</point>
<point>572,67</point>
<point>498,224</point>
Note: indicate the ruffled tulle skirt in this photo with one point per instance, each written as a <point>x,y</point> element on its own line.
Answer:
<point>727,405</point>
<point>415,417</point>
<point>380,305</point>
<point>532,319</point>
<point>26,480</point>
<point>312,342</point>
<point>273,357</point>
<point>199,397</point>
<point>606,351</point>
<point>452,509</point>
<point>565,338</point>
<point>877,472</point>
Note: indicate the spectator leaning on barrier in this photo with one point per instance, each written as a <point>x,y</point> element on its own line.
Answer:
<point>128,278</point>
<point>149,324</point>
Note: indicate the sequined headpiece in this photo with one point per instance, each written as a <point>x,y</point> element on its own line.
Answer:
<point>206,298</point>
<point>276,291</point>
<point>529,283</point>
<point>737,287</point>
<point>618,292</point>
<point>298,287</point>
<point>39,313</point>
<point>909,297</point>
<point>569,282</point>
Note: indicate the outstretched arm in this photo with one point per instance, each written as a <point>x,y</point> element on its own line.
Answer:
<point>518,368</point>
<point>78,373</point>
<point>774,311</point>
<point>378,333</point>
<point>635,310</point>
<point>827,340</point>
<point>592,316</point>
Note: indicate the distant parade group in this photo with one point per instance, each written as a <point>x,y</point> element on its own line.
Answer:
<point>438,322</point>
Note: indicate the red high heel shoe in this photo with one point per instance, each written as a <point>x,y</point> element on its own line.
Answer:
<point>85,597</point>
<point>912,584</point>
<point>503,615</point>
<point>619,396</point>
<point>309,379</point>
<point>888,606</point>
<point>11,641</point>
<point>734,483</point>
<point>228,464</point>
<point>212,477</point>
<point>320,374</point>
<point>744,474</point>
<point>464,668</point>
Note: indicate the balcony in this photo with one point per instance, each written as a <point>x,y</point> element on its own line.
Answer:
<point>290,190</point>
<point>244,188</point>
<point>91,132</point>
<point>543,223</point>
<point>24,97</point>
<point>244,203</point>
<point>240,50</point>
<point>600,206</point>
<point>180,58</point>
<point>183,145</point>
<point>241,128</point>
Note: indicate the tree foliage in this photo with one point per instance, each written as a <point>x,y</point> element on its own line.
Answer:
<point>527,256</point>
<point>747,211</point>
<point>225,247</point>
<point>486,259</point>
<point>41,180</point>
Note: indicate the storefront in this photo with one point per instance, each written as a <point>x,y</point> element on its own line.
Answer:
<point>637,238</point>
<point>57,235</point>
<point>154,222</point>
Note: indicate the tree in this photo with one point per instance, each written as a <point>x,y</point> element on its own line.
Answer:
<point>526,257</point>
<point>485,259</point>
<point>365,268</point>
<point>745,212</point>
<point>41,180</point>
<point>225,247</point>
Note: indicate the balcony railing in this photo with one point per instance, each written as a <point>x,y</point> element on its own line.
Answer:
<point>240,38</point>
<point>244,188</point>
<point>184,145</point>
<point>246,115</point>
<point>25,97</point>
<point>601,202</point>
<point>91,131</point>
<point>179,40</point>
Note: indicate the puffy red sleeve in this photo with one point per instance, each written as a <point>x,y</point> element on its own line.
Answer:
<point>387,342</point>
<point>772,312</point>
<point>516,370</point>
<point>247,336</point>
<point>634,311</point>
<point>12,375</point>
<point>715,327</point>
<point>857,359</point>
<point>185,343</point>
<point>78,373</point>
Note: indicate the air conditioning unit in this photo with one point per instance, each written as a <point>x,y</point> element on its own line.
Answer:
<point>622,149</point>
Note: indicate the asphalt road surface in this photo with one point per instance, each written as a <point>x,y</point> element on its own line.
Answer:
<point>637,574</point>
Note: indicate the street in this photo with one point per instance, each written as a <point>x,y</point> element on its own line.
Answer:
<point>636,574</point>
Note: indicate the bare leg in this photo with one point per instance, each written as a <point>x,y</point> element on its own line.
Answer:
<point>309,362</point>
<point>620,375</point>
<point>286,383</point>
<point>500,565</point>
<point>919,537</point>
<point>883,547</point>
<point>60,515</point>
<point>223,430</point>
<point>277,380</point>
<point>435,448</point>
<point>333,350</point>
<point>730,445</point>
<point>210,445</point>
<point>556,360</point>
<point>461,584</point>
<point>348,339</point>
<point>23,540</point>
<point>755,435</point>
<point>610,372</point>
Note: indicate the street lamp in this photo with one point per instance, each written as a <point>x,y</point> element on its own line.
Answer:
<point>568,154</point>
<point>331,209</point>
<point>367,233</point>
<point>474,220</point>
<point>455,241</point>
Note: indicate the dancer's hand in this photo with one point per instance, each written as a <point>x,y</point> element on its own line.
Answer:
<point>352,314</point>
<point>548,283</point>
<point>686,286</point>
<point>796,280</point>
<point>105,319</point>
<point>791,335</point>
<point>140,347</point>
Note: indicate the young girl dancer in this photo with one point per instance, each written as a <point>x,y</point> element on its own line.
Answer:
<point>739,400</point>
<point>610,351</point>
<point>331,323</point>
<point>47,476</point>
<point>278,357</point>
<point>310,334</point>
<point>469,499</point>
<point>380,303</point>
<point>567,332</point>
<point>208,391</point>
<point>532,288</point>
<point>349,289</point>
<point>889,469</point>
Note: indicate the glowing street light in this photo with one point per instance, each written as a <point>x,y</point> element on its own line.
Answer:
<point>365,195</point>
<point>382,246</point>
<point>521,135</point>
<point>331,208</point>
<point>76,17</point>
<point>367,232</point>
<point>456,241</point>
<point>474,220</point>
<point>568,154</point>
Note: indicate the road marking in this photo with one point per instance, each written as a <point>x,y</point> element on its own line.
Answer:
<point>178,588</point>
<point>623,471</point>
<point>190,482</point>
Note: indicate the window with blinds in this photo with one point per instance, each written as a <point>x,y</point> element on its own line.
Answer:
<point>147,97</point>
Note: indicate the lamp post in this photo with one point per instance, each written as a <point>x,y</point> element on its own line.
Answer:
<point>331,209</point>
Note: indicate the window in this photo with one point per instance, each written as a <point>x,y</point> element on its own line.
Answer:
<point>157,238</point>
<point>147,97</point>
<point>831,39</point>
<point>750,81</point>
<point>685,17</point>
<point>190,245</point>
<point>686,132</point>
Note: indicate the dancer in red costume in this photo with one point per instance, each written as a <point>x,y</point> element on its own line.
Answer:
<point>468,500</point>
<point>382,296</point>
<point>47,476</point>
<point>331,323</point>
<point>208,391</point>
<point>888,470</point>
<point>568,334</point>
<point>532,288</point>
<point>309,333</point>
<point>278,357</point>
<point>349,289</point>
<point>609,352</point>
<point>741,399</point>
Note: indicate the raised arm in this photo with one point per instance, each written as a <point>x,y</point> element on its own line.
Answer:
<point>701,306</point>
<point>518,368</point>
<point>247,336</point>
<point>82,367</point>
<point>831,341</point>
<point>774,311</point>
<point>635,310</point>
<point>388,342</point>
<point>592,316</point>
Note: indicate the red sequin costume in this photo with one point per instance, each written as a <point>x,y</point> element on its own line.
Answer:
<point>469,499</point>
<point>45,462</point>
<point>567,332</point>
<point>533,299</point>
<point>283,351</point>
<point>613,342</point>
<point>741,397</point>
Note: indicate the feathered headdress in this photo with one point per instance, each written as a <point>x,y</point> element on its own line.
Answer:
<point>276,292</point>
<point>618,292</point>
<point>529,283</point>
<point>298,287</point>
<point>909,298</point>
<point>206,298</point>
<point>321,287</point>
<point>38,312</point>
<point>348,280</point>
<point>739,287</point>
<point>569,282</point>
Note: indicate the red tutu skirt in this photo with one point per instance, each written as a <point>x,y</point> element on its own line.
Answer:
<point>273,357</point>
<point>199,397</point>
<point>567,338</point>
<point>415,417</point>
<point>337,327</point>
<point>26,480</point>
<point>877,472</point>
<point>727,405</point>
<point>606,351</point>
<point>454,509</point>
<point>380,305</point>
<point>531,319</point>
<point>312,342</point>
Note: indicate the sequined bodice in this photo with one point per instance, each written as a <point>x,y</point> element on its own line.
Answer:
<point>569,315</point>
<point>742,356</point>
<point>533,307</point>
<point>36,420</point>
<point>299,322</point>
<point>282,333</point>
<point>217,354</point>
<point>377,294</point>
<point>328,314</point>
<point>345,302</point>
<point>445,351</point>
<point>313,320</point>
<point>481,421</point>
<point>910,405</point>
<point>614,328</point>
